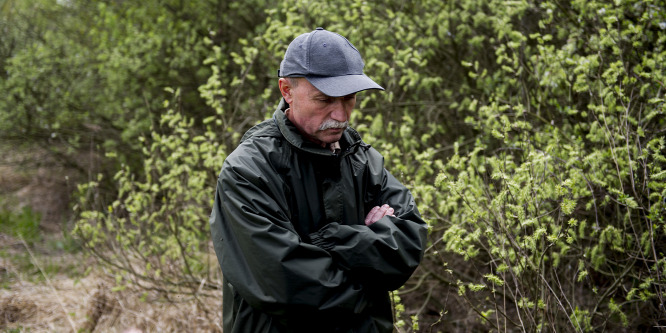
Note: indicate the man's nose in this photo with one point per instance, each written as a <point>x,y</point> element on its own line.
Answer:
<point>339,112</point>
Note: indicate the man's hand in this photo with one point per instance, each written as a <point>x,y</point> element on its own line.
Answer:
<point>377,213</point>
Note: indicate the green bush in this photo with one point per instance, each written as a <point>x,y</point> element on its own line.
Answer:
<point>23,224</point>
<point>153,231</point>
<point>531,134</point>
<point>80,79</point>
<point>154,234</point>
<point>557,210</point>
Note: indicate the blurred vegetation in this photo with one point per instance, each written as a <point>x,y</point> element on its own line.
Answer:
<point>24,224</point>
<point>530,132</point>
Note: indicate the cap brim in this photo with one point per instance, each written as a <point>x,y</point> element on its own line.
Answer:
<point>336,86</point>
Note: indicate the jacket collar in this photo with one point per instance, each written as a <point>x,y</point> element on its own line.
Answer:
<point>350,138</point>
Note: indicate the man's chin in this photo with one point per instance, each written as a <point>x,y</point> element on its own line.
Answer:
<point>328,136</point>
<point>332,138</point>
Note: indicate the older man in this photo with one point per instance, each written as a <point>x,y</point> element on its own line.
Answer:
<point>310,229</point>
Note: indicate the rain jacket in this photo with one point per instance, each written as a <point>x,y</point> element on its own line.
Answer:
<point>288,229</point>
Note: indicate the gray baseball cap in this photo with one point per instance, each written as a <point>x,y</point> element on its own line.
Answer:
<point>327,60</point>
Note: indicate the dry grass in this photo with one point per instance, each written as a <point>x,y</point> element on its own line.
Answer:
<point>88,304</point>
<point>46,289</point>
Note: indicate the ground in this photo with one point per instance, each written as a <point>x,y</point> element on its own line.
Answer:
<point>78,296</point>
<point>49,284</point>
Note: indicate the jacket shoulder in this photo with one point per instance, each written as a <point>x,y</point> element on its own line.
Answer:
<point>266,128</point>
<point>262,148</point>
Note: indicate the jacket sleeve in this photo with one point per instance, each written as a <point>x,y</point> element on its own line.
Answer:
<point>263,257</point>
<point>386,253</point>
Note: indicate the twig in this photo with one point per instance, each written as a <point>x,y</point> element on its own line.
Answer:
<point>417,286</point>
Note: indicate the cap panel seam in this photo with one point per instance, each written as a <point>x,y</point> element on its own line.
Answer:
<point>308,50</point>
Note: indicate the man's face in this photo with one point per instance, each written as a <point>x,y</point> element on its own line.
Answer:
<point>319,117</point>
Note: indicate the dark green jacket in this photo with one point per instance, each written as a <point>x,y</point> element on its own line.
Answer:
<point>289,233</point>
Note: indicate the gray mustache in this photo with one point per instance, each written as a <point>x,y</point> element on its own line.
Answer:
<point>330,123</point>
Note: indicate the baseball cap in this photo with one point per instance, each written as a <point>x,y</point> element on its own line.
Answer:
<point>328,61</point>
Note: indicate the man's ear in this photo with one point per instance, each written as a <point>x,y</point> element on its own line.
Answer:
<point>285,89</point>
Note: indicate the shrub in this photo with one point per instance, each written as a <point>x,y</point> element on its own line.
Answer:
<point>531,134</point>
<point>154,233</point>
<point>23,224</point>
<point>557,210</point>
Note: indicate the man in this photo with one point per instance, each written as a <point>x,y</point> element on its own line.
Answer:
<point>310,230</point>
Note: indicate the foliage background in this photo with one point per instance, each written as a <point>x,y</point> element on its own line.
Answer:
<point>531,133</point>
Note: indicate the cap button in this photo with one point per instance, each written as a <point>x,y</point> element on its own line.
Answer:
<point>320,28</point>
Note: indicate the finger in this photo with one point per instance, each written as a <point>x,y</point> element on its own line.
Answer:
<point>376,213</point>
<point>370,218</point>
<point>384,209</point>
<point>390,211</point>
<point>381,212</point>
